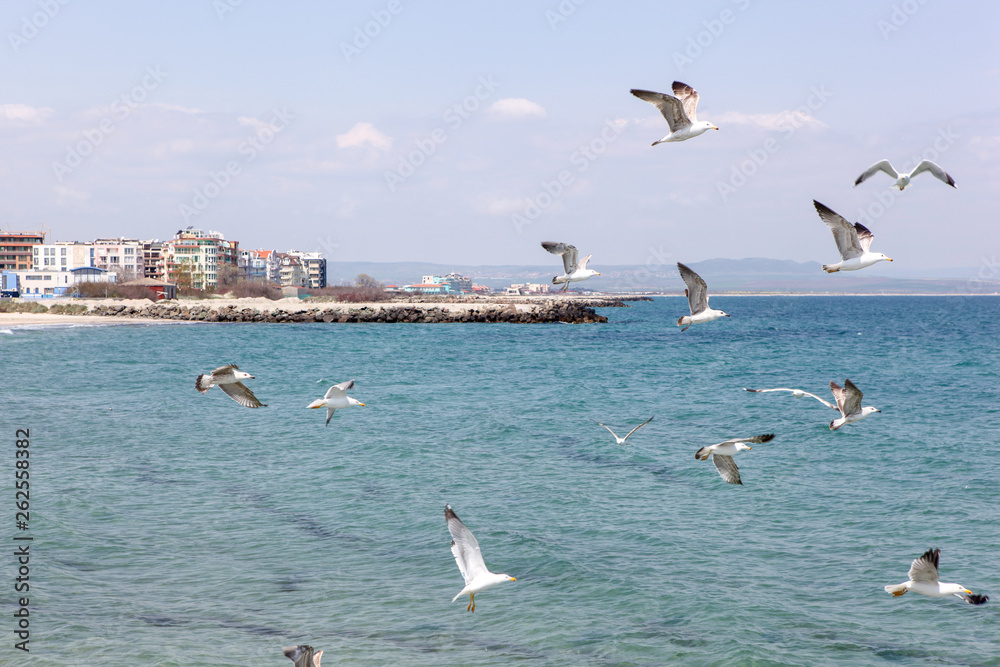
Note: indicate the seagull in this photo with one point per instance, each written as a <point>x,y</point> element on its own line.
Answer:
<point>697,294</point>
<point>228,379</point>
<point>303,655</point>
<point>902,180</point>
<point>722,455</point>
<point>470,560</point>
<point>924,580</point>
<point>575,270</point>
<point>621,441</point>
<point>336,399</point>
<point>853,242</point>
<point>797,393</point>
<point>849,404</point>
<point>679,111</point>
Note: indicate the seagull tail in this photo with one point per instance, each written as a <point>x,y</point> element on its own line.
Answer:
<point>897,590</point>
<point>829,268</point>
<point>702,454</point>
<point>203,383</point>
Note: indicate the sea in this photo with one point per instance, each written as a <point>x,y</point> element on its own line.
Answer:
<point>173,528</point>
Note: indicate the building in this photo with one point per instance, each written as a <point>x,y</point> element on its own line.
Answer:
<point>152,252</point>
<point>193,258</point>
<point>62,256</point>
<point>158,288</point>
<point>459,283</point>
<point>15,249</point>
<point>121,256</point>
<point>291,272</point>
<point>260,266</point>
<point>528,288</point>
<point>314,266</point>
<point>51,284</point>
<point>427,288</point>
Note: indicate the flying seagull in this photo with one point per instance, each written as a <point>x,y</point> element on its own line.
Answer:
<point>849,403</point>
<point>228,379</point>
<point>853,242</point>
<point>336,399</point>
<point>697,294</point>
<point>680,111</point>
<point>621,441</point>
<point>924,580</point>
<point>470,561</point>
<point>575,270</point>
<point>797,393</point>
<point>902,180</point>
<point>722,455</point>
<point>303,655</point>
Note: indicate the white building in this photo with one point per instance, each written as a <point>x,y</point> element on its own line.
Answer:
<point>314,267</point>
<point>193,258</point>
<point>62,256</point>
<point>120,256</point>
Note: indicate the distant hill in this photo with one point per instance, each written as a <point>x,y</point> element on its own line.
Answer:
<point>722,275</point>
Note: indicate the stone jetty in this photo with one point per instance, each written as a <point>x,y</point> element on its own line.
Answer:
<point>576,310</point>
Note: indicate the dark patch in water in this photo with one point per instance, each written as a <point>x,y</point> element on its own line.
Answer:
<point>162,621</point>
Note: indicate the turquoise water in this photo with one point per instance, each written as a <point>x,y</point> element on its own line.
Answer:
<point>173,528</point>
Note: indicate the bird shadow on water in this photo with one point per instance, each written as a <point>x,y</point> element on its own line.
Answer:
<point>569,448</point>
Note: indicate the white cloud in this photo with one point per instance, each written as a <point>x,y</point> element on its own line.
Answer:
<point>517,107</point>
<point>24,113</point>
<point>364,133</point>
<point>782,120</point>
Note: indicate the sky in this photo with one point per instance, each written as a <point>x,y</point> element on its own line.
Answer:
<point>468,132</point>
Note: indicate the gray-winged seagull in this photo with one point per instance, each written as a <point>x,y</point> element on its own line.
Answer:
<point>797,393</point>
<point>229,379</point>
<point>853,242</point>
<point>924,580</point>
<point>336,398</point>
<point>680,112</point>
<point>621,441</point>
<point>849,404</point>
<point>697,295</point>
<point>722,455</point>
<point>575,269</point>
<point>470,561</point>
<point>902,180</point>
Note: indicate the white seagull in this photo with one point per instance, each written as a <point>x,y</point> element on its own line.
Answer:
<point>575,270</point>
<point>228,379</point>
<point>470,561</point>
<point>797,393</point>
<point>621,441</point>
<point>722,455</point>
<point>853,242</point>
<point>336,399</point>
<point>902,180</point>
<point>697,295</point>
<point>924,580</point>
<point>303,655</point>
<point>679,111</point>
<point>849,403</point>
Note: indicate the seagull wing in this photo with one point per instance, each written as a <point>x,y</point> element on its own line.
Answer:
<point>637,428</point>
<point>671,108</point>
<point>727,468</point>
<point>852,398</point>
<point>796,392</point>
<point>881,165</point>
<point>844,233</point>
<point>865,236</point>
<point>697,290</point>
<point>757,439</point>
<point>609,428</point>
<point>339,390</point>
<point>583,263</point>
<point>925,568</point>
<point>223,372</point>
<point>241,393</point>
<point>938,172</point>
<point>838,395</point>
<point>689,98</point>
<point>824,402</point>
<point>303,655</point>
<point>569,254</point>
<point>464,547</point>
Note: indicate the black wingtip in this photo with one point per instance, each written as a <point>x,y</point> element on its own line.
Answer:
<point>973,598</point>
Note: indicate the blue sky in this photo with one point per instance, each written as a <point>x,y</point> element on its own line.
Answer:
<point>469,132</point>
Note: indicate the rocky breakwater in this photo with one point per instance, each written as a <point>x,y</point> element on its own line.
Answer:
<point>555,310</point>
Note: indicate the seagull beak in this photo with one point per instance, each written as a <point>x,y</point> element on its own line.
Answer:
<point>361,404</point>
<point>888,259</point>
<point>251,378</point>
<point>598,274</point>
<point>714,127</point>
<point>749,448</point>
<point>513,579</point>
